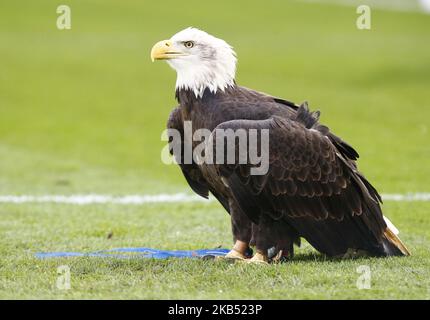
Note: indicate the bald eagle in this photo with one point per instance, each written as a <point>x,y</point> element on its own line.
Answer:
<point>312,188</point>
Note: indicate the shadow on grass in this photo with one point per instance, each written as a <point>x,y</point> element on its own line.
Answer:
<point>320,257</point>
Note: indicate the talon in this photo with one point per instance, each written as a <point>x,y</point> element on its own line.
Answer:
<point>281,256</point>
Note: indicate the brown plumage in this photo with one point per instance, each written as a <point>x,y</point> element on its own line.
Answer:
<point>312,189</point>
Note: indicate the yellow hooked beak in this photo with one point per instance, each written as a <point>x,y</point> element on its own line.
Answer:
<point>164,50</point>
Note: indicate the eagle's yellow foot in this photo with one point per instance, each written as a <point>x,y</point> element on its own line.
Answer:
<point>234,254</point>
<point>238,252</point>
<point>259,258</point>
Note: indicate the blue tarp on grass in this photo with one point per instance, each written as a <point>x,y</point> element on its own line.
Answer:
<point>123,253</point>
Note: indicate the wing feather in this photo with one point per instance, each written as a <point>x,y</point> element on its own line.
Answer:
<point>309,177</point>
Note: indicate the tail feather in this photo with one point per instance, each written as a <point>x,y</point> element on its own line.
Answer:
<point>391,226</point>
<point>393,245</point>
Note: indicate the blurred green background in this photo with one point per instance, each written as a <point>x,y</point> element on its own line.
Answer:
<point>82,111</point>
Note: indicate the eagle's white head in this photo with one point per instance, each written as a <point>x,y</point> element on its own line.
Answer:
<point>201,61</point>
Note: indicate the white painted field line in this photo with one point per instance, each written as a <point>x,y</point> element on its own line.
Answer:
<point>393,5</point>
<point>420,196</point>
<point>85,199</point>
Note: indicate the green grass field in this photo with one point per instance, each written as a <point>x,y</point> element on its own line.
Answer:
<point>82,111</point>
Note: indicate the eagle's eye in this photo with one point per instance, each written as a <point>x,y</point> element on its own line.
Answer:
<point>189,44</point>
